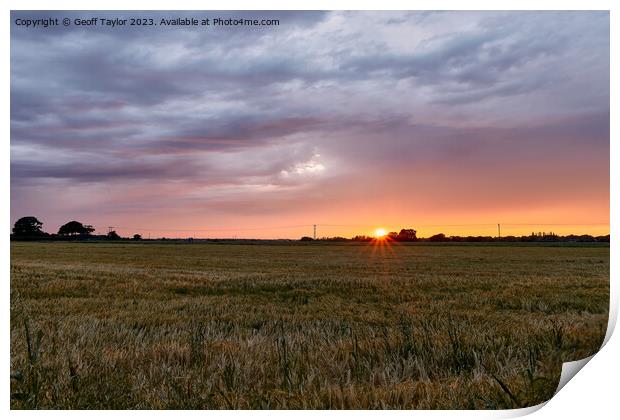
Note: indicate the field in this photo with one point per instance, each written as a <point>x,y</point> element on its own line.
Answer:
<point>155,325</point>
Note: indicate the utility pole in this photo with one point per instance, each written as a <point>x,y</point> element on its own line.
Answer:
<point>314,236</point>
<point>499,232</point>
<point>110,229</point>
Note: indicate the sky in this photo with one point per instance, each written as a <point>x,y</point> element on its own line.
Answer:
<point>439,121</point>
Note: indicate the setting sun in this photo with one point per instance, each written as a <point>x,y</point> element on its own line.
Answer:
<point>379,233</point>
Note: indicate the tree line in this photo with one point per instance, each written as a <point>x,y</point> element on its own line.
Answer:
<point>410,235</point>
<point>30,228</point>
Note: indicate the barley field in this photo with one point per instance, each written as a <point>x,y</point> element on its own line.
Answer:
<point>318,326</point>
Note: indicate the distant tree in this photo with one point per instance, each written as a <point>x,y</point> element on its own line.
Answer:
<point>306,238</point>
<point>73,228</point>
<point>440,237</point>
<point>392,235</point>
<point>137,237</point>
<point>334,238</point>
<point>407,235</point>
<point>113,235</point>
<point>28,226</point>
<point>586,238</point>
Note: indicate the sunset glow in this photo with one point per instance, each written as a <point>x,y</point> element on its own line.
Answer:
<point>444,122</point>
<point>380,233</point>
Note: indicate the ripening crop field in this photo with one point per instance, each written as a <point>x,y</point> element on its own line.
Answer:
<point>340,326</point>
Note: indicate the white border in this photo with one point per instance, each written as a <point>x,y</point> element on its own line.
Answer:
<point>592,394</point>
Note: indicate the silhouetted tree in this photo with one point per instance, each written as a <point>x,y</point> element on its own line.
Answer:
<point>75,228</point>
<point>306,238</point>
<point>407,235</point>
<point>28,226</point>
<point>333,238</point>
<point>440,237</point>
<point>113,235</point>
<point>137,237</point>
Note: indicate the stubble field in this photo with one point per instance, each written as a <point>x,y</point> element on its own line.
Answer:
<point>202,326</point>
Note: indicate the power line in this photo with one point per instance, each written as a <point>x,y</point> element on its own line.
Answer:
<point>555,224</point>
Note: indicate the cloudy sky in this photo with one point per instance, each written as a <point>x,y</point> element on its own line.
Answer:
<point>358,120</point>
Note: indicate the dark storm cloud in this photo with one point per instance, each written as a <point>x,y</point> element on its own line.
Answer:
<point>230,134</point>
<point>125,65</point>
<point>92,172</point>
<point>478,59</point>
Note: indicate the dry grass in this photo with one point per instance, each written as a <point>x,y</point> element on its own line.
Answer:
<point>144,325</point>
